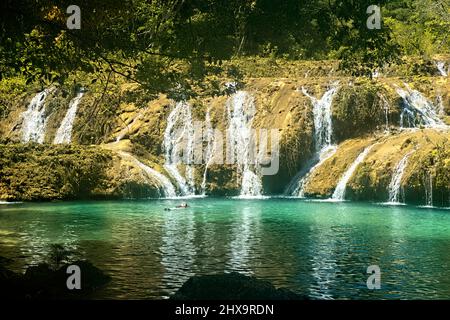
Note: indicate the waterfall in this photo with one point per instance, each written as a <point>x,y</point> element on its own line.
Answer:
<point>325,154</point>
<point>386,110</point>
<point>34,119</point>
<point>209,154</point>
<point>418,110</point>
<point>64,132</point>
<point>339,192</point>
<point>241,109</point>
<point>323,130</point>
<point>396,181</point>
<point>441,67</point>
<point>164,183</point>
<point>429,191</point>
<point>179,137</point>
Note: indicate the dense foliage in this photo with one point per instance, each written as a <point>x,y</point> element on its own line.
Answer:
<point>168,45</point>
<point>33,172</point>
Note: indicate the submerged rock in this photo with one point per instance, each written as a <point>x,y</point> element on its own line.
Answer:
<point>232,286</point>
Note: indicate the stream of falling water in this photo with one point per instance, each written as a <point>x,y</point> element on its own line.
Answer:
<point>429,191</point>
<point>178,145</point>
<point>418,111</point>
<point>339,192</point>
<point>209,154</point>
<point>64,132</point>
<point>164,183</point>
<point>441,67</point>
<point>323,131</point>
<point>35,119</point>
<point>396,182</point>
<point>241,110</point>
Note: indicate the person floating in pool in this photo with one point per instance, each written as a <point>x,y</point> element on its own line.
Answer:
<point>183,205</point>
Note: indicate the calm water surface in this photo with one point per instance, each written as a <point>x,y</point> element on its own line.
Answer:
<point>315,248</point>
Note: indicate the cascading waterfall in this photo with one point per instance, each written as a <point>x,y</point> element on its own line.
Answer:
<point>34,119</point>
<point>241,109</point>
<point>323,130</point>
<point>339,192</point>
<point>429,191</point>
<point>417,111</point>
<point>396,182</point>
<point>179,137</point>
<point>324,155</point>
<point>209,154</point>
<point>441,67</point>
<point>64,132</point>
<point>164,183</point>
<point>386,107</point>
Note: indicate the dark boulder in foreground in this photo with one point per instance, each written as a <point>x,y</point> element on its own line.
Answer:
<point>232,286</point>
<point>43,282</point>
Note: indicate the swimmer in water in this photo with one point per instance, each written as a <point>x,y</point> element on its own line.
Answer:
<point>183,205</point>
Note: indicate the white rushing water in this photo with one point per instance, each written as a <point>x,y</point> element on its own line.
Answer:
<point>35,119</point>
<point>339,192</point>
<point>178,146</point>
<point>441,67</point>
<point>418,111</point>
<point>386,107</point>
<point>165,185</point>
<point>64,132</point>
<point>209,154</point>
<point>324,155</point>
<point>396,182</point>
<point>323,131</point>
<point>241,109</point>
<point>429,191</point>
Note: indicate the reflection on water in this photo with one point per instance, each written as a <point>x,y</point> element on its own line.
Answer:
<point>177,248</point>
<point>245,233</point>
<point>319,249</point>
<point>324,266</point>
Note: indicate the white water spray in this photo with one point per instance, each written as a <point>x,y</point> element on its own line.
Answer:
<point>34,119</point>
<point>64,132</point>
<point>418,111</point>
<point>339,192</point>
<point>164,183</point>
<point>209,154</point>
<point>396,182</point>
<point>323,131</point>
<point>441,67</point>
<point>241,109</point>
<point>179,138</point>
<point>429,191</point>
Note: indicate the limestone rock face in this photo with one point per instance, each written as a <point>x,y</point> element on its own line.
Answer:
<point>125,118</point>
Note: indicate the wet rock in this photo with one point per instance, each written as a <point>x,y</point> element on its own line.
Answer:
<point>42,282</point>
<point>232,286</point>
